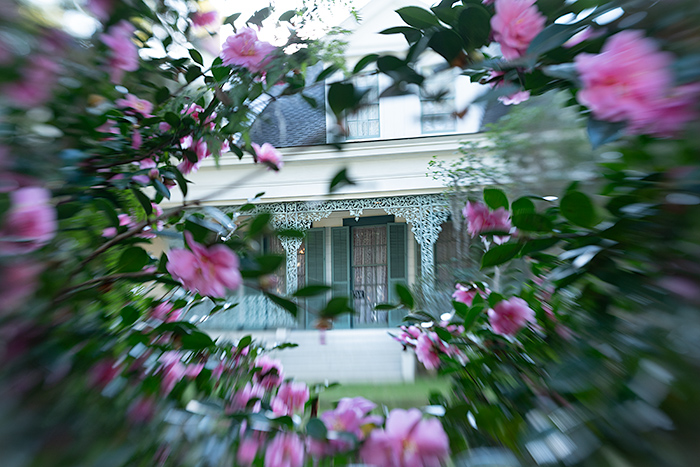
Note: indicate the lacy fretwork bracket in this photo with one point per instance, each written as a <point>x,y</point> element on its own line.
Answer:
<point>424,213</point>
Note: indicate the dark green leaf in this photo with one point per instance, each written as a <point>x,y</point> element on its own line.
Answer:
<point>309,100</point>
<point>133,259</point>
<point>494,298</point>
<point>196,56</point>
<point>336,306</point>
<point>287,15</point>
<point>244,342</point>
<point>474,26</point>
<point>340,180</point>
<point>447,43</point>
<point>532,222</point>
<point>495,198</point>
<point>259,16</point>
<point>269,263</point>
<point>220,72</point>
<point>460,308</point>
<point>405,296</point>
<point>143,200</point>
<point>129,315</point>
<point>539,244</point>
<point>196,340</point>
<point>417,17</point>
<point>161,188</point>
<point>552,37</point>
<point>364,61</point>
<point>288,305</point>
<point>523,205</point>
<point>601,132</point>
<point>193,73</point>
<point>291,233</point>
<point>578,209</point>
<point>316,429</point>
<point>411,34</point>
<point>327,72</point>
<point>172,119</point>
<point>230,19</point>
<point>312,290</point>
<point>500,254</point>
<point>107,208</point>
<point>385,306</point>
<point>259,223</point>
<point>162,95</point>
<point>472,315</point>
<point>341,96</point>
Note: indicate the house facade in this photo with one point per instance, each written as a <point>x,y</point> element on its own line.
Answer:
<point>364,238</point>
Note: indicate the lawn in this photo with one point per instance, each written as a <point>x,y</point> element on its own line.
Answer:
<point>396,395</point>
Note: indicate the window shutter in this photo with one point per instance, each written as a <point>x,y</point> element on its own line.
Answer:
<point>340,261</point>
<point>397,256</point>
<point>315,270</point>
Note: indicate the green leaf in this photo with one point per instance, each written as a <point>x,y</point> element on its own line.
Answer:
<point>532,222</point>
<point>143,200</point>
<point>196,340</point>
<point>336,306</point>
<point>577,208</point>
<point>327,72</point>
<point>405,296</point>
<point>220,72</point>
<point>411,34</point>
<point>133,259</point>
<point>269,263</point>
<point>259,16</point>
<point>340,180</point>
<point>287,15</point>
<point>364,61</point>
<point>196,56</point>
<point>193,73</point>
<point>107,208</point>
<point>447,43</point>
<point>417,17</point>
<point>230,19</point>
<point>500,254</point>
<point>288,305</point>
<point>172,119</point>
<point>494,298</point>
<point>161,189</point>
<point>523,205</point>
<point>495,198</point>
<point>474,26</point>
<point>244,342</point>
<point>601,132</point>
<point>472,315</point>
<point>316,429</point>
<point>341,96</point>
<point>552,37</point>
<point>162,95</point>
<point>259,223</point>
<point>385,306</point>
<point>461,309</point>
<point>539,244</point>
<point>129,315</point>
<point>312,290</point>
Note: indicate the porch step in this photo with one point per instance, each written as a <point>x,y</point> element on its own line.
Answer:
<point>348,355</point>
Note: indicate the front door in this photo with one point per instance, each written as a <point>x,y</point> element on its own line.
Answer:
<point>369,272</point>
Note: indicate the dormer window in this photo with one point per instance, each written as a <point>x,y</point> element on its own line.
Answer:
<point>364,123</point>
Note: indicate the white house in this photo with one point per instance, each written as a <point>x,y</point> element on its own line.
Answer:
<point>363,239</point>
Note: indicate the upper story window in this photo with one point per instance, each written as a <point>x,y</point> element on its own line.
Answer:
<point>437,103</point>
<point>365,122</point>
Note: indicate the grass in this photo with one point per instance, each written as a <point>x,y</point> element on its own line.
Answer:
<point>397,395</point>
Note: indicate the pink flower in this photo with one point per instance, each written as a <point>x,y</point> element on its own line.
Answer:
<point>481,220</point>
<point>124,221</point>
<point>465,294</point>
<point>124,55</point>
<point>510,316</point>
<point>110,127</point>
<point>136,139</point>
<point>207,270</point>
<point>30,223</point>
<point>18,282</point>
<point>164,311</point>
<point>349,416</point>
<point>267,154</point>
<point>515,98</point>
<point>37,82</point>
<point>152,174</point>
<point>290,398</point>
<point>102,9</point>
<point>426,351</point>
<point>240,399</point>
<point>247,450</point>
<point>407,441</point>
<point>244,49</point>
<point>141,106</point>
<point>204,18</point>
<point>142,410</point>
<point>285,450</point>
<point>271,374</point>
<point>104,372</point>
<point>630,81</point>
<point>174,370</point>
<point>515,25</point>
<point>201,150</point>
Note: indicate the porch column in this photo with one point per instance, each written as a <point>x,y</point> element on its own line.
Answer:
<point>291,246</point>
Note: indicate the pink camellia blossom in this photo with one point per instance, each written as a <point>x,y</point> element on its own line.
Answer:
<point>102,9</point>
<point>244,49</point>
<point>515,98</point>
<point>240,399</point>
<point>351,415</point>
<point>142,410</point>
<point>465,294</point>
<point>174,370</point>
<point>630,81</point>
<point>123,53</point>
<point>407,441</point>
<point>30,223</point>
<point>133,103</point>
<point>482,220</point>
<point>207,270</point>
<point>18,282</point>
<point>34,88</point>
<point>203,19</point>
<point>124,221</point>
<point>510,316</point>
<point>153,173</point>
<point>427,352</point>
<point>201,150</point>
<point>104,372</point>
<point>285,450</point>
<point>515,25</point>
<point>267,154</point>
<point>164,312</point>
<point>136,139</point>
<point>248,448</point>
<point>271,374</point>
<point>290,398</point>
